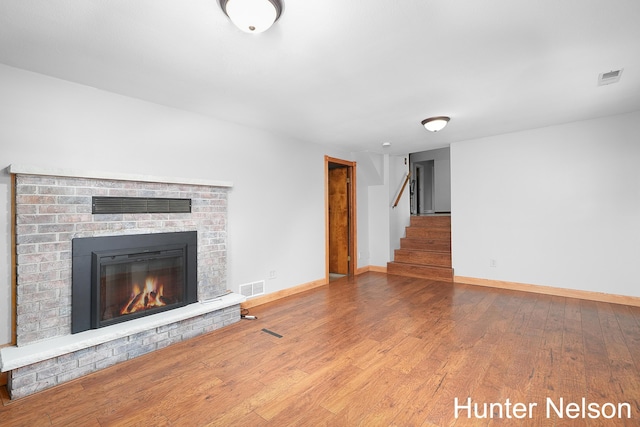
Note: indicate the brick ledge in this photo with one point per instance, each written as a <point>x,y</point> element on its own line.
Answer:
<point>17,357</point>
<point>76,173</point>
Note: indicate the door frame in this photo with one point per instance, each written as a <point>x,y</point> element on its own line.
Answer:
<point>351,203</point>
<point>418,190</point>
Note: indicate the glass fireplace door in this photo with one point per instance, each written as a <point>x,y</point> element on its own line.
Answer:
<point>134,285</point>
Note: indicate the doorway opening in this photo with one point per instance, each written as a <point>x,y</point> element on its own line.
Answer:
<point>340,218</point>
<point>423,187</point>
<point>430,182</point>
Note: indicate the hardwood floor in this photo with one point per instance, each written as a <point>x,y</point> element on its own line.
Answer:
<point>376,350</point>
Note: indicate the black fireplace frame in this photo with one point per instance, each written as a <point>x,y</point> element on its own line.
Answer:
<point>86,250</point>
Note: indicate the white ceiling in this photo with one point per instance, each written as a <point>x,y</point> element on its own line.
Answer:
<point>350,73</point>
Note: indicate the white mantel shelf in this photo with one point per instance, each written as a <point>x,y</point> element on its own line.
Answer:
<point>19,169</point>
<point>17,357</point>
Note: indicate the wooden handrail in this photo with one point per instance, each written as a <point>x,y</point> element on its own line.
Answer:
<point>404,184</point>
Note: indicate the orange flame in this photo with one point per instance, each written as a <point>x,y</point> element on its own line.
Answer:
<point>149,297</point>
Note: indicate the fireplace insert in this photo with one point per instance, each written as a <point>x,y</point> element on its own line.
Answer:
<point>119,278</point>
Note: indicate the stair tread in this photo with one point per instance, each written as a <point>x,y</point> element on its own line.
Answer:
<point>425,239</point>
<point>427,244</point>
<point>425,250</point>
<point>436,222</point>
<point>439,267</point>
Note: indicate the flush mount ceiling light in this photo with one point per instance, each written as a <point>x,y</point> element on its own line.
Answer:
<point>252,16</point>
<point>434,124</point>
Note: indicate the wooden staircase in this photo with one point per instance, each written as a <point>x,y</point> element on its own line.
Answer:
<point>425,252</point>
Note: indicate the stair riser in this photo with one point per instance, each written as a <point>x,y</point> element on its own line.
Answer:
<point>423,258</point>
<point>432,273</point>
<point>426,244</point>
<point>431,221</point>
<point>427,233</point>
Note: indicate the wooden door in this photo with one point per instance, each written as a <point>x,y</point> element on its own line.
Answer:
<point>338,221</point>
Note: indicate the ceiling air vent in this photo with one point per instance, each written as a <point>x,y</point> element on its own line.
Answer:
<point>610,77</point>
<point>116,205</point>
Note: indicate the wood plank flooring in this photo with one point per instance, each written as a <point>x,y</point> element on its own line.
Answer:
<point>376,350</point>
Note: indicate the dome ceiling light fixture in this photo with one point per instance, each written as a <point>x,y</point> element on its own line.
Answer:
<point>435,124</point>
<point>252,16</point>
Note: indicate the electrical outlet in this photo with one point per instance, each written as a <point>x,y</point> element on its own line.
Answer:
<point>493,263</point>
<point>273,274</point>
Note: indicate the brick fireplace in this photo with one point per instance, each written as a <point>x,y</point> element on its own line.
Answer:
<point>55,207</point>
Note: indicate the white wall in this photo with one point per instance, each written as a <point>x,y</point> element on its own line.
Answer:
<point>557,206</point>
<point>399,216</point>
<point>370,180</point>
<point>379,208</point>
<point>386,223</point>
<point>276,207</point>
